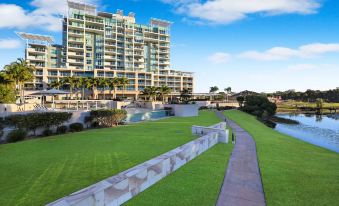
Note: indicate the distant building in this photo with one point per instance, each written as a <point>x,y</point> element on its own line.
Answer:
<point>101,44</point>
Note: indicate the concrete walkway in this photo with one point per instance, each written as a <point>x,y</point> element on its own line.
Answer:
<point>242,184</point>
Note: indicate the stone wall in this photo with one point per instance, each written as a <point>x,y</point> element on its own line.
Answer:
<point>220,128</point>
<point>120,188</point>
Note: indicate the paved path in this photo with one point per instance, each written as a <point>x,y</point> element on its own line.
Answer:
<point>242,184</point>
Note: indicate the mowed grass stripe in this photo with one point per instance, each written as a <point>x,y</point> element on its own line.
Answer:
<point>196,183</point>
<point>127,146</point>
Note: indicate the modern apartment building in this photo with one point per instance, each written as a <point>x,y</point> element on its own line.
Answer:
<point>101,44</point>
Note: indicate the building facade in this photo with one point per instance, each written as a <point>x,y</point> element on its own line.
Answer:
<point>101,44</point>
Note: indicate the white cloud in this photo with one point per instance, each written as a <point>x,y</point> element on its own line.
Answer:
<point>301,67</point>
<point>284,53</point>
<point>219,57</point>
<point>228,11</point>
<point>44,16</point>
<point>9,43</point>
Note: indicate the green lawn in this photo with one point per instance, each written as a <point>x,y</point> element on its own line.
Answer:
<point>293,172</point>
<point>197,183</point>
<point>39,171</point>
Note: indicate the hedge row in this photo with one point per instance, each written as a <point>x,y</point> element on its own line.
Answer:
<point>34,121</point>
<point>107,117</point>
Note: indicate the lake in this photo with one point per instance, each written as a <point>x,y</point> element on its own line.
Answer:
<point>321,130</point>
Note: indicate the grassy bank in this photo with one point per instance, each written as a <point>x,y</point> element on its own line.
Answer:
<point>292,106</point>
<point>197,183</point>
<point>293,172</point>
<point>39,171</point>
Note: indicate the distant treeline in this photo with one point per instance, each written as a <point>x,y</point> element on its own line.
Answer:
<point>309,95</point>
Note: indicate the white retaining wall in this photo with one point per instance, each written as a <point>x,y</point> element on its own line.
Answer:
<point>118,189</point>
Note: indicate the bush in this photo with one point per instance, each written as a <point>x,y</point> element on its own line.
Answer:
<point>1,130</point>
<point>33,121</point>
<point>76,127</point>
<point>225,108</point>
<point>61,129</point>
<point>47,132</point>
<point>108,117</point>
<point>95,125</point>
<point>16,135</point>
<point>203,107</point>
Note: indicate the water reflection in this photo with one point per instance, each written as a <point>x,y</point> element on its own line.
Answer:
<point>321,130</point>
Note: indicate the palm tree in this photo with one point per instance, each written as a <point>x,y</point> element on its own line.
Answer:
<point>150,92</point>
<point>228,90</point>
<point>114,83</point>
<point>214,89</point>
<point>72,82</point>
<point>103,83</point>
<point>55,84</point>
<point>91,83</point>
<point>185,95</point>
<point>164,91</point>
<point>123,82</point>
<point>20,72</point>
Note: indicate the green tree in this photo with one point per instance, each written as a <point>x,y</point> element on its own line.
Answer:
<point>92,83</point>
<point>55,84</point>
<point>20,72</point>
<point>151,92</point>
<point>103,84</point>
<point>241,100</point>
<point>214,89</point>
<point>7,89</point>
<point>185,95</point>
<point>123,82</point>
<point>7,94</point>
<point>114,84</point>
<point>71,82</point>
<point>163,92</point>
<point>228,91</point>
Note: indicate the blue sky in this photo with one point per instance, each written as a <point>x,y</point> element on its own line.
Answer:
<point>261,45</point>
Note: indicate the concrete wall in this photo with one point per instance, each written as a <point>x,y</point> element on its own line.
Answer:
<point>185,110</point>
<point>220,128</point>
<point>118,189</point>
<point>14,108</point>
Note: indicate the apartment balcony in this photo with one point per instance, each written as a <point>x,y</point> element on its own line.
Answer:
<point>110,64</point>
<point>164,62</point>
<point>76,54</point>
<point>139,61</point>
<point>73,34</point>
<point>98,22</point>
<point>77,41</point>
<point>140,67</point>
<point>36,50</point>
<point>37,58</point>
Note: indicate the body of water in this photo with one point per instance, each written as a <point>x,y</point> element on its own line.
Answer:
<point>150,115</point>
<point>321,130</point>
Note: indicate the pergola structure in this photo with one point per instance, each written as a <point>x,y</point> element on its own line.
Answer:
<point>35,38</point>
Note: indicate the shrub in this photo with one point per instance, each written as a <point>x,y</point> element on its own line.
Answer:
<point>108,117</point>
<point>1,130</point>
<point>47,132</point>
<point>33,121</point>
<point>76,127</point>
<point>61,129</point>
<point>16,135</point>
<point>259,106</point>
<point>88,121</point>
<point>95,124</point>
<point>203,107</point>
